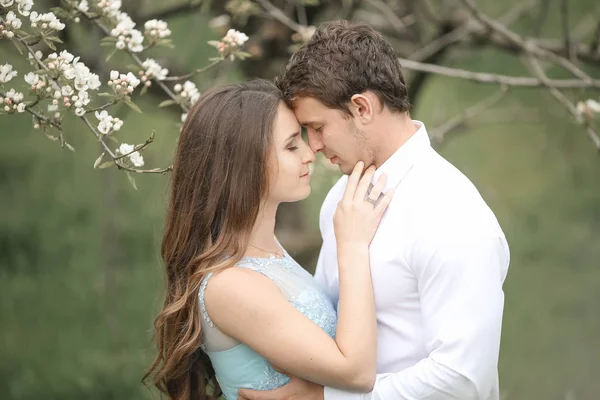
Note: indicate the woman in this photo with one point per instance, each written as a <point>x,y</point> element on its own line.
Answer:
<point>237,303</point>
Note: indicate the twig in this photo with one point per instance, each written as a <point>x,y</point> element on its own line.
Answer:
<point>98,135</point>
<point>527,46</point>
<point>564,101</point>
<point>542,17</point>
<point>301,12</point>
<point>565,25</point>
<point>465,29</point>
<point>483,77</point>
<point>280,16</point>
<point>388,13</point>
<point>196,72</point>
<point>439,134</point>
<point>138,61</point>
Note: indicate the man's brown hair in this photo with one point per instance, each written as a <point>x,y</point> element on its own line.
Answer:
<point>340,60</point>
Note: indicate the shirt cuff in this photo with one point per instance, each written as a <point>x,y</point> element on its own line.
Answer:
<point>337,394</point>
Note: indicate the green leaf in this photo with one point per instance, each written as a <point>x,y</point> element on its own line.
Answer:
<point>166,43</point>
<point>133,106</point>
<point>112,53</point>
<point>107,44</point>
<point>50,44</point>
<point>144,90</point>
<point>108,39</point>
<point>106,164</point>
<point>167,103</point>
<point>99,160</point>
<point>55,39</point>
<point>131,180</point>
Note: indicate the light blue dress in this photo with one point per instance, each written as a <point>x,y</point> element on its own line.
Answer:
<point>237,365</point>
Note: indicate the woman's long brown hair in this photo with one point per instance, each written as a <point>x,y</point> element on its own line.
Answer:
<point>219,179</point>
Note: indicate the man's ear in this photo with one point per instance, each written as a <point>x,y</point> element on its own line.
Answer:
<point>362,106</point>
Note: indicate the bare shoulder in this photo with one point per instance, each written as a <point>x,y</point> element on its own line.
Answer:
<point>236,283</point>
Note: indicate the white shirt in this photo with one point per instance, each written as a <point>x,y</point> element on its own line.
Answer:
<point>438,261</point>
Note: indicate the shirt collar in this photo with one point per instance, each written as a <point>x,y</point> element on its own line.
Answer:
<point>401,162</point>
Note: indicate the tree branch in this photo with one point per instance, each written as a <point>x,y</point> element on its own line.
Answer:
<point>564,101</point>
<point>280,16</point>
<point>527,46</point>
<point>438,134</point>
<point>174,11</point>
<point>565,25</point>
<point>483,77</point>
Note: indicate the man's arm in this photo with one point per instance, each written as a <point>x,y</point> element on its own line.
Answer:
<point>460,285</point>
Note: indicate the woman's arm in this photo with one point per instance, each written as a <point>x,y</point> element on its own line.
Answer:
<point>250,307</point>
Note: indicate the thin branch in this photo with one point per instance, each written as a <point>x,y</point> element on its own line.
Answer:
<point>395,21</point>
<point>102,107</point>
<point>98,135</point>
<point>542,17</point>
<point>527,46</point>
<point>439,134</point>
<point>138,62</point>
<point>196,72</point>
<point>483,77</point>
<point>301,12</point>
<point>565,25</point>
<point>180,9</point>
<point>564,101</point>
<point>280,16</point>
<point>462,31</point>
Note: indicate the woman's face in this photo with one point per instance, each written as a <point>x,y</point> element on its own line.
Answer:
<point>289,160</point>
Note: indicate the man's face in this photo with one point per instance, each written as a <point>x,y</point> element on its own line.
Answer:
<point>334,133</point>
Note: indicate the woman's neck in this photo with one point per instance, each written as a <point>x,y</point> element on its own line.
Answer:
<point>263,233</point>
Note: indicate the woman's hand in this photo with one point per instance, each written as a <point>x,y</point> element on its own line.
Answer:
<point>359,212</point>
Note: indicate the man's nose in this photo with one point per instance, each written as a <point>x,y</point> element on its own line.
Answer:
<point>314,141</point>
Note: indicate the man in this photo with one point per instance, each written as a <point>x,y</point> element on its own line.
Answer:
<point>439,257</point>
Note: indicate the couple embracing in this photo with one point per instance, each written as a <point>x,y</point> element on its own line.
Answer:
<point>406,302</point>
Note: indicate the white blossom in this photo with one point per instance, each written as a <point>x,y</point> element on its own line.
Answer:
<point>6,3</point>
<point>154,70</point>
<point>111,8</point>
<point>136,41</point>
<point>114,75</point>
<point>32,78</point>
<point>235,37</point>
<point>52,107</point>
<point>593,105</point>
<point>65,55</point>
<point>190,91</point>
<point>67,91</point>
<point>83,6</point>
<point>12,20</point>
<point>38,55</point>
<point>157,28</point>
<point>21,107</point>
<point>6,73</point>
<point>48,20</point>
<point>127,35</point>
<point>135,157</point>
<point>24,6</point>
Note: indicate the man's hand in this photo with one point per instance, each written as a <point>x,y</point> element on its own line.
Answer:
<point>297,389</point>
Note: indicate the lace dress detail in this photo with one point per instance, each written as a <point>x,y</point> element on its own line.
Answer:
<point>233,361</point>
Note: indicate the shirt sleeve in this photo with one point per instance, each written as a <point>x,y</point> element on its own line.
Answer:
<point>460,281</point>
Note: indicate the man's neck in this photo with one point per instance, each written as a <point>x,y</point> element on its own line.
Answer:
<point>394,130</point>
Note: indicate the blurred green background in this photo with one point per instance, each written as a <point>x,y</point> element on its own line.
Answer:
<point>80,273</point>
